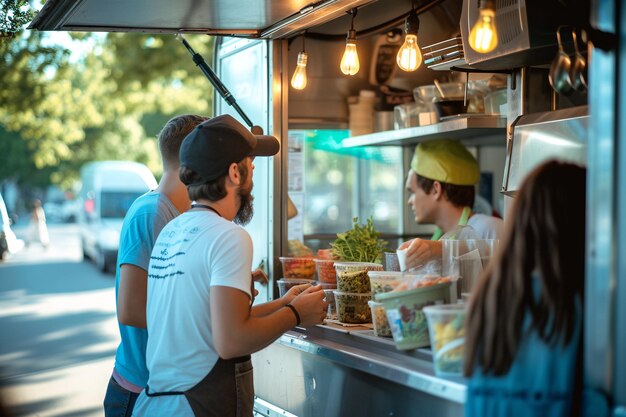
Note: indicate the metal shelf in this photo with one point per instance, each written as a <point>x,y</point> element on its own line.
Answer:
<point>474,130</point>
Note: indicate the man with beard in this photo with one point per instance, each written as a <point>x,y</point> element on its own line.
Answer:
<point>201,321</point>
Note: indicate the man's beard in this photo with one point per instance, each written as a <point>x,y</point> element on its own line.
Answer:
<point>246,211</point>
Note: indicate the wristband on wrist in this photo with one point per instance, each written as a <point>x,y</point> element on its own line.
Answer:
<point>295,313</point>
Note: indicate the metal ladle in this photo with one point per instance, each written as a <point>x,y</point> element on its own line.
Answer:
<point>578,70</point>
<point>559,70</point>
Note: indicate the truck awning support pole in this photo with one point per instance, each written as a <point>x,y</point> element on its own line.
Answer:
<point>214,79</point>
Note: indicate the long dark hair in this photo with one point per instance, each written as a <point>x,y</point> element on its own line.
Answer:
<point>545,238</point>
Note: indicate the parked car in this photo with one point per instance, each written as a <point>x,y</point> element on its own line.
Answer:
<point>108,190</point>
<point>8,241</point>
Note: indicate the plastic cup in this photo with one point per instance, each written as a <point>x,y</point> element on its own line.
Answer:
<point>326,270</point>
<point>353,307</point>
<point>284,284</point>
<point>379,318</point>
<point>404,312</point>
<point>352,276</point>
<point>391,261</point>
<point>447,334</point>
<point>402,259</point>
<point>384,281</point>
<point>294,267</point>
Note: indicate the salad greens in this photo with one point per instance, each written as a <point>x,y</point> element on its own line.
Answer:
<point>360,244</point>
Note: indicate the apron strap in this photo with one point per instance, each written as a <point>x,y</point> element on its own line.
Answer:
<point>161,394</point>
<point>465,215</point>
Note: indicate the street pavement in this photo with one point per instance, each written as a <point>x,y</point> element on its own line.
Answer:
<point>58,327</point>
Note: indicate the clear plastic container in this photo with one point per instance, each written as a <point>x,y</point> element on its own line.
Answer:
<point>294,267</point>
<point>384,281</point>
<point>404,312</point>
<point>326,270</point>
<point>284,284</point>
<point>353,307</point>
<point>447,335</point>
<point>429,93</point>
<point>391,261</point>
<point>332,306</point>
<point>379,318</point>
<point>352,276</point>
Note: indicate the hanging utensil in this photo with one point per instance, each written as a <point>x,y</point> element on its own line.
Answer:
<point>559,70</point>
<point>578,70</point>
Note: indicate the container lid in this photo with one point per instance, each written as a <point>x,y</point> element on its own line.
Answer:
<point>446,308</point>
<point>413,291</point>
<point>373,303</point>
<point>295,258</point>
<point>356,294</point>
<point>346,264</point>
<point>388,274</point>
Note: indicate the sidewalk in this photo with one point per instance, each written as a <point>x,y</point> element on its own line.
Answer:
<point>73,391</point>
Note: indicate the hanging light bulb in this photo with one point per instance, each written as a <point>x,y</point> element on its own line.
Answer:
<point>409,56</point>
<point>350,60</point>
<point>483,37</point>
<point>298,81</point>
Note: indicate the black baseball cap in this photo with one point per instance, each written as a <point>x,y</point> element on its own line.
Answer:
<point>212,146</point>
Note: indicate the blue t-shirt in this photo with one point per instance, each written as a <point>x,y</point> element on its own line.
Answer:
<point>540,381</point>
<point>142,224</point>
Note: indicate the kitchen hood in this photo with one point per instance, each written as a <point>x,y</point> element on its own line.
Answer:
<point>526,31</point>
<point>538,137</point>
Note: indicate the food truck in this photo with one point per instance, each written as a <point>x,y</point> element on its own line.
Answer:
<point>348,129</point>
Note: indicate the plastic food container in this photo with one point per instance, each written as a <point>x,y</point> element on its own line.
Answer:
<point>447,335</point>
<point>384,281</point>
<point>379,318</point>
<point>325,270</point>
<point>332,307</point>
<point>298,267</point>
<point>404,312</point>
<point>352,276</point>
<point>353,307</point>
<point>284,284</point>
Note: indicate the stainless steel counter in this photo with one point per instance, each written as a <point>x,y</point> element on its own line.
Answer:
<point>323,371</point>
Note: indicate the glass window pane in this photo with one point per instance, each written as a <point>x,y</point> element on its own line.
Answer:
<point>342,183</point>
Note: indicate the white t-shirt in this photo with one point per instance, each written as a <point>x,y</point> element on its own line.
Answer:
<point>487,227</point>
<point>194,252</point>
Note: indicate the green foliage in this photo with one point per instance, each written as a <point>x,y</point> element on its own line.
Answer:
<point>13,15</point>
<point>59,111</point>
<point>360,244</point>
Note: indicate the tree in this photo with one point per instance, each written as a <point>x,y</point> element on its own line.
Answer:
<point>109,104</point>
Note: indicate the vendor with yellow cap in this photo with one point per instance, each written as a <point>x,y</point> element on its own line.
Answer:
<point>442,187</point>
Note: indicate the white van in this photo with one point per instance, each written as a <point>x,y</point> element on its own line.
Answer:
<point>108,190</point>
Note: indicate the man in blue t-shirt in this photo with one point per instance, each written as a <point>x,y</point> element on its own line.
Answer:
<point>142,224</point>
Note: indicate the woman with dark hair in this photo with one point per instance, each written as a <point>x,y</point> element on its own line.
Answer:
<point>524,323</point>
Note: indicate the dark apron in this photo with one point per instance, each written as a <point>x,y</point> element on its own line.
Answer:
<point>226,391</point>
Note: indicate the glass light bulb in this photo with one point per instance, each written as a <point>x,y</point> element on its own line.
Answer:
<point>350,59</point>
<point>483,37</point>
<point>409,56</point>
<point>298,81</point>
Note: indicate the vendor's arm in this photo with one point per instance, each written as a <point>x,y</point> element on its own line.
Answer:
<point>237,332</point>
<point>420,251</point>
<point>132,295</point>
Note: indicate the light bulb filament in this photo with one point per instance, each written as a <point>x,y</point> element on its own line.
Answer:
<point>483,37</point>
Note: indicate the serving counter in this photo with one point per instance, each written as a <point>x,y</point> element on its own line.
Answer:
<point>329,371</point>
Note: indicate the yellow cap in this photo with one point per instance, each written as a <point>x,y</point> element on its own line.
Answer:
<point>446,161</point>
